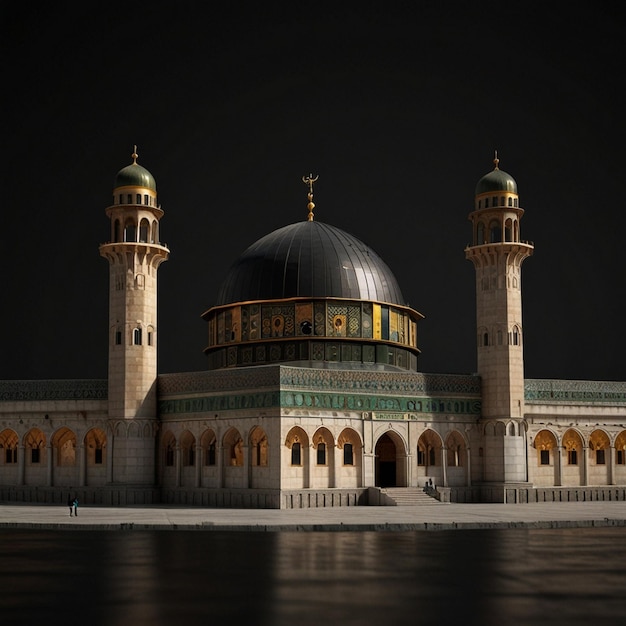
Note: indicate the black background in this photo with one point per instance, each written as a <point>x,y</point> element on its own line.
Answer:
<point>398,107</point>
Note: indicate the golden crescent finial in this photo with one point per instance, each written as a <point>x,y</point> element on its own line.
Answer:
<point>496,160</point>
<point>134,155</point>
<point>309,180</point>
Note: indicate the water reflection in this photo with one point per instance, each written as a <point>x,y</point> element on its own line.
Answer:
<point>184,578</point>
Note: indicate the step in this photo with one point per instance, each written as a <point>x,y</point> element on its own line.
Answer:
<point>409,496</point>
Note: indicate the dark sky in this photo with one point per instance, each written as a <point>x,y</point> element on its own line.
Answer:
<point>398,110</point>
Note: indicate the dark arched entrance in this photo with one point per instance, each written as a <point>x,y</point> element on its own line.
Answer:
<point>386,456</point>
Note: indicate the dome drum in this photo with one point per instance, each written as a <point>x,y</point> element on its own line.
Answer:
<point>333,330</point>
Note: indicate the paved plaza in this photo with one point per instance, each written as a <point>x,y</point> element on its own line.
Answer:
<point>435,516</point>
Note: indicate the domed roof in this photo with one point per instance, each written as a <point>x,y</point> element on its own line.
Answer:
<point>496,180</point>
<point>134,175</point>
<point>309,259</point>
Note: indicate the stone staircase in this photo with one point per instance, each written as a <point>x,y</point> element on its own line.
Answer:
<point>408,496</point>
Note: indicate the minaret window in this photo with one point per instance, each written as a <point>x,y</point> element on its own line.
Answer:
<point>118,337</point>
<point>510,201</point>
<point>129,231</point>
<point>145,199</point>
<point>129,198</point>
<point>507,231</point>
<point>495,233</point>
<point>143,231</point>
<point>150,339</point>
<point>137,336</point>
<point>480,233</point>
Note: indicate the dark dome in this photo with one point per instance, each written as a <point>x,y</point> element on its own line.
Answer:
<point>135,176</point>
<point>496,180</point>
<point>309,259</point>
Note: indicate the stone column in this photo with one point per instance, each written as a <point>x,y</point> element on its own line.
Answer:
<point>82,464</point>
<point>21,455</point>
<point>220,466</point>
<point>585,478</point>
<point>245,482</point>
<point>611,476</point>
<point>559,466</point>
<point>468,473</point>
<point>198,467</point>
<point>177,464</point>
<point>444,466</point>
<point>49,463</point>
<point>110,443</point>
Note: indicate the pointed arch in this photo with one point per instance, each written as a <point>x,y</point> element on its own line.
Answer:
<point>208,443</point>
<point>349,471</point>
<point>390,454</point>
<point>429,450</point>
<point>323,443</point>
<point>259,447</point>
<point>188,448</point>
<point>168,448</point>
<point>573,460</point>
<point>599,457</point>
<point>9,442</point>
<point>64,445</point>
<point>233,448</point>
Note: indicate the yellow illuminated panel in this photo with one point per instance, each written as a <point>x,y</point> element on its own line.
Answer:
<point>377,321</point>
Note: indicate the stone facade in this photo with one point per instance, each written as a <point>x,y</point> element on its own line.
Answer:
<point>311,432</point>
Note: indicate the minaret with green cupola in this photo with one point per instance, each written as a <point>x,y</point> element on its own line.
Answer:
<point>497,252</point>
<point>135,253</point>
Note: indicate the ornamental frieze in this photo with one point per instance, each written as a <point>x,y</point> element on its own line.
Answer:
<point>338,402</point>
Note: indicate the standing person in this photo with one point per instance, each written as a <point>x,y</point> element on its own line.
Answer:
<point>70,503</point>
<point>75,507</point>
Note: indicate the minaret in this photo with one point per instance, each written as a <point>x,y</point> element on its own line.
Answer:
<point>134,254</point>
<point>497,252</point>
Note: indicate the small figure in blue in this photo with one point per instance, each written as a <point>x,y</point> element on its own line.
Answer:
<point>75,506</point>
<point>70,503</point>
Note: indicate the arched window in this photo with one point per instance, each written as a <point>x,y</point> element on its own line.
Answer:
<point>495,232</point>
<point>210,454</point>
<point>508,231</point>
<point>296,456</point>
<point>321,454</point>
<point>480,234</point>
<point>130,231</point>
<point>137,336</point>
<point>348,454</point>
<point>143,231</point>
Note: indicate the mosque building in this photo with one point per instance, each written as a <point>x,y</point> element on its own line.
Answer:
<point>312,395</point>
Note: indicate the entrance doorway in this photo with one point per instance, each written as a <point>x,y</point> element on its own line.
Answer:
<point>386,461</point>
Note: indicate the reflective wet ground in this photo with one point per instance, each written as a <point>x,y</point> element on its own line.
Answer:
<point>181,578</point>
